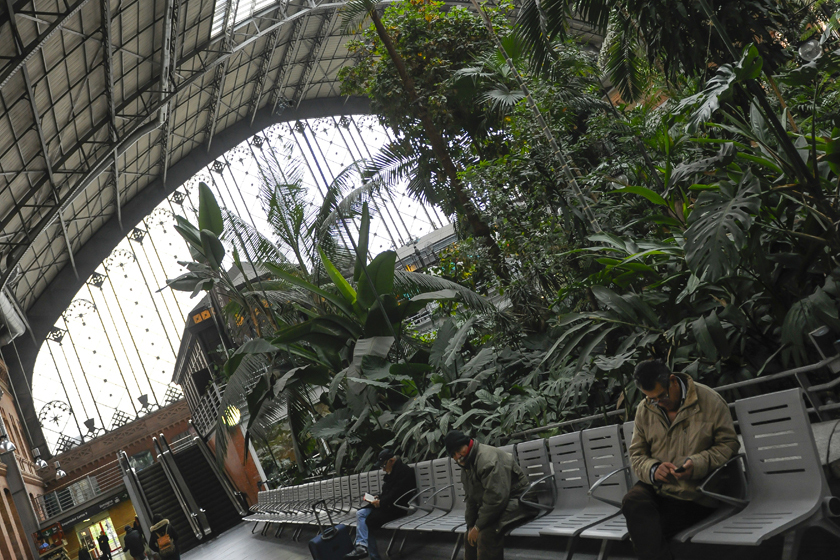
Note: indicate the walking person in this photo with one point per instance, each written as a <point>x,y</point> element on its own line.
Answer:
<point>164,539</point>
<point>683,432</point>
<point>104,546</point>
<point>134,543</point>
<point>493,482</point>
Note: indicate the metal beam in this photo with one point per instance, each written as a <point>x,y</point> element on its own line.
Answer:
<point>141,128</point>
<point>285,64</point>
<point>221,73</point>
<point>29,50</point>
<point>108,69</point>
<point>262,73</point>
<point>327,22</point>
<point>170,61</point>
<point>40,130</point>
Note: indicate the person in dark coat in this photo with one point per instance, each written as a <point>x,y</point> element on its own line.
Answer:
<point>397,489</point>
<point>493,482</point>
<point>134,543</point>
<point>159,528</point>
<point>84,554</point>
<point>104,546</point>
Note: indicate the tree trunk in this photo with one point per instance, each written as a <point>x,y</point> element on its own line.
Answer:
<point>479,227</point>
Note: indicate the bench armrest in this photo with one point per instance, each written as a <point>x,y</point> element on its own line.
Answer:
<point>447,487</point>
<point>602,480</point>
<point>737,502</point>
<point>417,495</point>
<point>541,507</point>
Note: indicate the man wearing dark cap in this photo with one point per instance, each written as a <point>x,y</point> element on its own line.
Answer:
<point>397,489</point>
<point>493,482</point>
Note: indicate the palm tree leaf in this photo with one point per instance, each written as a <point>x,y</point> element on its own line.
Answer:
<point>414,283</point>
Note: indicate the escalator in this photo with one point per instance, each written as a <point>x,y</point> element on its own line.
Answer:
<point>186,488</point>
<point>207,489</point>
<point>161,499</point>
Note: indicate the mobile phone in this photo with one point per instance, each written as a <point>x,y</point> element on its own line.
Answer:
<point>680,470</point>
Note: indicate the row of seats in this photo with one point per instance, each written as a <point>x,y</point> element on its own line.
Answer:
<point>578,481</point>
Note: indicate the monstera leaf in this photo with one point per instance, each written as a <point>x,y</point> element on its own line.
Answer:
<point>719,89</point>
<point>717,228</point>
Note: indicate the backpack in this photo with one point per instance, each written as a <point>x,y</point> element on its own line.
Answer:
<point>166,546</point>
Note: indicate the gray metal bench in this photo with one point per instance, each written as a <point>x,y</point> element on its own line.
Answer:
<point>570,480</point>
<point>787,489</point>
<point>603,454</point>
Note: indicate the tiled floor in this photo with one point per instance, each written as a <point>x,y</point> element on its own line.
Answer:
<point>240,544</point>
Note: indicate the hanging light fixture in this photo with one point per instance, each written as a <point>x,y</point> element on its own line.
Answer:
<point>810,50</point>
<point>39,462</point>
<point>6,444</point>
<point>59,472</point>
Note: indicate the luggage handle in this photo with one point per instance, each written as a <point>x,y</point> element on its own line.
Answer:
<point>327,533</point>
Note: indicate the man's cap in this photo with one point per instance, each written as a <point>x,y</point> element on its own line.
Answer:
<point>454,441</point>
<point>384,456</point>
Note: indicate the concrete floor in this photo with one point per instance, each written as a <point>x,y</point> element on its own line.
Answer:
<point>240,544</point>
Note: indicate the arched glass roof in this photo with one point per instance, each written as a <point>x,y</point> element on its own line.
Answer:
<point>109,358</point>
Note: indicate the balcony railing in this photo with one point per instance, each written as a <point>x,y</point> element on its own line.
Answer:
<point>78,492</point>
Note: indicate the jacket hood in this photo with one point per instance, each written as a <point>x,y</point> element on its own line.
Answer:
<point>159,525</point>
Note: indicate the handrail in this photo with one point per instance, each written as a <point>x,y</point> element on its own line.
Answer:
<point>191,511</point>
<point>737,385</point>
<point>220,476</point>
<point>136,492</point>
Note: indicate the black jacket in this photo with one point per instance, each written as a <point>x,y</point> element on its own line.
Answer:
<point>160,529</point>
<point>84,554</point>
<point>396,484</point>
<point>102,539</point>
<point>134,543</point>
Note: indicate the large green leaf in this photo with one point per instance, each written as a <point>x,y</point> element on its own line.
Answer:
<point>362,246</point>
<point>718,226</point>
<point>378,279</point>
<point>209,213</point>
<point>719,89</point>
<point>336,300</point>
<point>344,287</point>
<point>213,249</point>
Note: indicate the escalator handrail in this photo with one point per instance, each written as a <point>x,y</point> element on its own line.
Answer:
<point>131,474</point>
<point>227,486</point>
<point>192,516</point>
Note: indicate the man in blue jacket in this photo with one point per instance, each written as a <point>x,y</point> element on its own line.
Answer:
<point>397,489</point>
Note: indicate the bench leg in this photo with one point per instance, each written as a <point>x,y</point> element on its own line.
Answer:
<point>279,531</point>
<point>265,528</point>
<point>571,548</point>
<point>391,543</point>
<point>457,548</point>
<point>606,545</point>
<point>402,544</point>
<point>790,549</point>
<point>254,528</point>
<point>297,533</point>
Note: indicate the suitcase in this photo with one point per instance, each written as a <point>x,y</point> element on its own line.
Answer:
<point>333,542</point>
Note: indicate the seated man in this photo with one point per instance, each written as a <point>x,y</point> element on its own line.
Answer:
<point>397,489</point>
<point>683,432</point>
<point>493,482</point>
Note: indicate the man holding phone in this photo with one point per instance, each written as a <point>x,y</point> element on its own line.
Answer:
<point>378,510</point>
<point>683,432</point>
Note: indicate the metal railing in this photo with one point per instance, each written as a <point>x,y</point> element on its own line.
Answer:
<point>811,393</point>
<point>82,490</point>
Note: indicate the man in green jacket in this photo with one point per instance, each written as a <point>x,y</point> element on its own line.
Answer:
<point>683,432</point>
<point>493,482</point>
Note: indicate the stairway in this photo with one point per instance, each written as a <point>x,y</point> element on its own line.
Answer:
<point>206,489</point>
<point>162,500</point>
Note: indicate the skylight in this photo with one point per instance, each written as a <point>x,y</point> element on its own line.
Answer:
<point>244,10</point>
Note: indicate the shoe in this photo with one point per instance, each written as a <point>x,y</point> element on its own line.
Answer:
<point>359,552</point>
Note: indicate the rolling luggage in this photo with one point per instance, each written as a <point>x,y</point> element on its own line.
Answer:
<point>333,542</point>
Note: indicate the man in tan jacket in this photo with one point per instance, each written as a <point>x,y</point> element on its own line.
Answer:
<point>683,432</point>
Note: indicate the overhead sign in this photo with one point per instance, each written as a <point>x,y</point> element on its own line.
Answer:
<point>95,509</point>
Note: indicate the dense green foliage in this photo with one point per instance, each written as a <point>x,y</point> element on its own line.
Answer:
<point>718,194</point>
